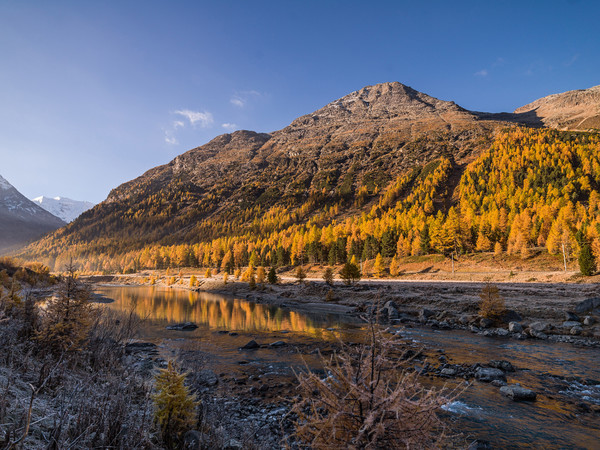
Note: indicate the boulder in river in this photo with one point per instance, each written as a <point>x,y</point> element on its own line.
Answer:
<point>485,322</point>
<point>426,313</point>
<point>391,310</point>
<point>570,324</point>
<point>588,305</point>
<point>489,374</point>
<point>518,393</point>
<point>250,345</point>
<point>576,330</point>
<point>537,334</point>
<point>277,344</point>
<point>186,326</point>
<point>515,327</point>
<point>588,320</point>
<point>206,377</point>
<point>539,326</point>
<point>571,316</point>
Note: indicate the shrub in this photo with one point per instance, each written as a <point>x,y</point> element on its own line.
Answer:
<point>350,273</point>
<point>491,305</point>
<point>300,274</point>
<point>208,273</point>
<point>328,276</point>
<point>330,297</point>
<point>193,281</point>
<point>68,316</point>
<point>175,405</point>
<point>367,401</point>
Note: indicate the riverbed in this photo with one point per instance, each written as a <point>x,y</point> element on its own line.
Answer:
<point>565,378</point>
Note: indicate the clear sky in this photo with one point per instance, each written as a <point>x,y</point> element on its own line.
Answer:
<point>94,93</point>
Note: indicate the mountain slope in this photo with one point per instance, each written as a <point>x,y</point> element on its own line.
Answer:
<point>64,208</point>
<point>361,154</point>
<point>21,220</point>
<point>572,110</point>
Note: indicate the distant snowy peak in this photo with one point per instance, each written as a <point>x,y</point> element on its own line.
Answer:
<point>63,207</point>
<point>4,185</point>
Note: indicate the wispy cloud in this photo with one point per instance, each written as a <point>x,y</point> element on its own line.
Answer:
<point>237,101</point>
<point>499,62</point>
<point>240,99</point>
<point>572,60</point>
<point>202,118</point>
<point>169,139</point>
<point>481,73</point>
<point>229,126</point>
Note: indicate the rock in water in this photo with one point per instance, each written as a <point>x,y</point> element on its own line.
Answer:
<point>518,393</point>
<point>250,345</point>
<point>489,374</point>
<point>187,326</point>
<point>570,316</point>
<point>515,327</point>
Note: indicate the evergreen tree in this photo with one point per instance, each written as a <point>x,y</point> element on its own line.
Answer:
<point>587,263</point>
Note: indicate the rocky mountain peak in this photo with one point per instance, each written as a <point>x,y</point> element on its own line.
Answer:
<point>572,110</point>
<point>382,101</point>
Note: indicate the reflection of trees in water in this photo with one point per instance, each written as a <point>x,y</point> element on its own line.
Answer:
<point>209,309</point>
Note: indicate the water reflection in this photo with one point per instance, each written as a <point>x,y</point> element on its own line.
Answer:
<point>214,311</point>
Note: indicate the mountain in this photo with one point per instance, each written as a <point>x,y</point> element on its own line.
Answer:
<point>572,110</point>
<point>63,207</point>
<point>358,158</point>
<point>21,220</point>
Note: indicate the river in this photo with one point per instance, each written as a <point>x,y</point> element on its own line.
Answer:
<point>563,376</point>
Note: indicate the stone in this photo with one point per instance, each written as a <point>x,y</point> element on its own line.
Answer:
<point>206,377</point>
<point>570,316</point>
<point>277,344</point>
<point>518,393</point>
<point>511,316</point>
<point>576,330</point>
<point>186,326</point>
<point>539,326</point>
<point>502,364</point>
<point>502,332</point>
<point>488,374</point>
<point>250,345</point>
<point>588,320</point>
<point>588,305</point>
<point>485,322</point>
<point>498,383</point>
<point>391,310</point>
<point>426,313</point>
<point>537,334</point>
<point>448,372</point>
<point>515,327</point>
<point>570,324</point>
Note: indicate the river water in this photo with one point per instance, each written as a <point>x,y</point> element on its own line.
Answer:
<point>563,376</point>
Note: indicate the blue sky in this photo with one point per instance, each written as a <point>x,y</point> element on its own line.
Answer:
<point>93,93</point>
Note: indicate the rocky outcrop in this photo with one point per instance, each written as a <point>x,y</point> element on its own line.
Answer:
<point>572,110</point>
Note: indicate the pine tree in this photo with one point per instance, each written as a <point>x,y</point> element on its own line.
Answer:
<point>587,263</point>
<point>272,276</point>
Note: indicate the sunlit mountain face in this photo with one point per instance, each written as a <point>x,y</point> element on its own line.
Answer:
<point>214,312</point>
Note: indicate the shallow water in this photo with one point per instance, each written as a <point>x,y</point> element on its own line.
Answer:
<point>561,374</point>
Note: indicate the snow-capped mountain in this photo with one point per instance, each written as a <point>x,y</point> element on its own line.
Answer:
<point>63,207</point>
<point>21,220</point>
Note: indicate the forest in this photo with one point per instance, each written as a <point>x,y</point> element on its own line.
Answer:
<point>531,189</point>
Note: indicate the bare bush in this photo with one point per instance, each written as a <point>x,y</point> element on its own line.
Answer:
<point>367,401</point>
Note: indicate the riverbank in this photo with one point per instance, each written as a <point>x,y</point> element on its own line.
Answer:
<point>549,310</point>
